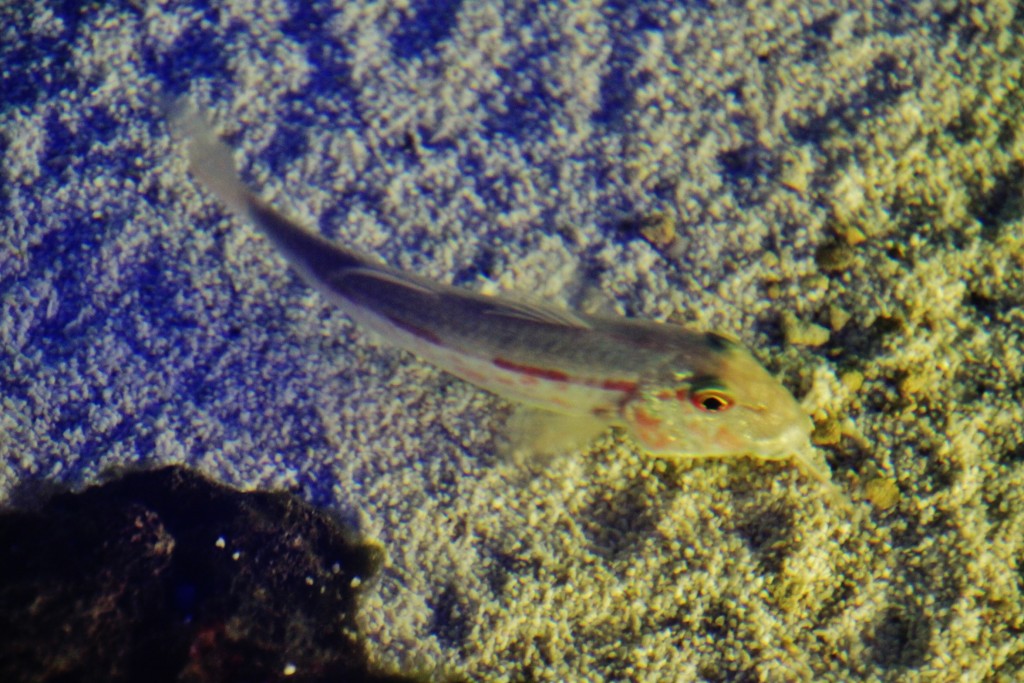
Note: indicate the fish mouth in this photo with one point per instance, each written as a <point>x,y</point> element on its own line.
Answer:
<point>793,442</point>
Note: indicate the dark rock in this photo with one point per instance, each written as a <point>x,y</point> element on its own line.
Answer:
<point>165,576</point>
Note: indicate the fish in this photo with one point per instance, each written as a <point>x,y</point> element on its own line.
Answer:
<point>677,392</point>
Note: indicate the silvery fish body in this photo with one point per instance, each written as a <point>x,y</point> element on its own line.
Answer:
<point>676,391</point>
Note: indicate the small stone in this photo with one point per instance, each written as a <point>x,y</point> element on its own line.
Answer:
<point>827,433</point>
<point>801,333</point>
<point>854,236</point>
<point>912,383</point>
<point>658,228</point>
<point>835,257</point>
<point>882,492</point>
<point>796,170</point>
<point>814,283</point>
<point>838,317</point>
<point>852,380</point>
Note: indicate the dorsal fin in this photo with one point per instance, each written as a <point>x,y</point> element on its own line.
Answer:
<point>540,313</point>
<point>388,276</point>
<point>491,306</point>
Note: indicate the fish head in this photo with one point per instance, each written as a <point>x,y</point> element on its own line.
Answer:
<point>722,403</point>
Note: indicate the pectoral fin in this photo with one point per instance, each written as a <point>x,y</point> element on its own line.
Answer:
<point>535,434</point>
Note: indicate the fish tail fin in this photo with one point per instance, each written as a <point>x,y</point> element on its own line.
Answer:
<point>209,158</point>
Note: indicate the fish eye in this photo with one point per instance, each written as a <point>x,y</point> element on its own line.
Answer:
<point>711,400</point>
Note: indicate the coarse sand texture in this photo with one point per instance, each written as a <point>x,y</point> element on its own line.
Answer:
<point>838,185</point>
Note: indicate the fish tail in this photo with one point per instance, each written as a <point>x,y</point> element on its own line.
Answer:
<point>209,159</point>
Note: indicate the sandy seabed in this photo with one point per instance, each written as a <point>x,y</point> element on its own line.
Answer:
<point>840,185</point>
